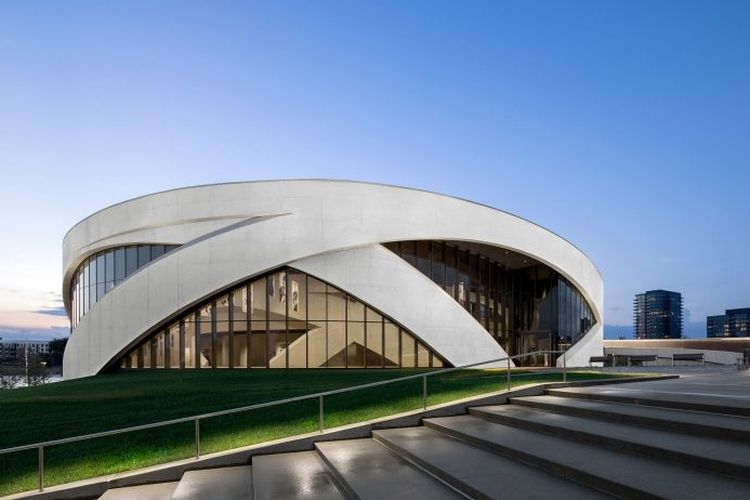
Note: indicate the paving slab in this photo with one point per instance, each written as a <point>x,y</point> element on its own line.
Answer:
<point>477,472</point>
<point>368,470</point>
<point>223,483</point>
<point>726,392</point>
<point>689,422</point>
<point>157,491</point>
<point>718,455</point>
<point>681,399</point>
<point>618,473</point>
<point>293,475</point>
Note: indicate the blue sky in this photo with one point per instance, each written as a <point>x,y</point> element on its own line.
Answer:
<point>623,126</point>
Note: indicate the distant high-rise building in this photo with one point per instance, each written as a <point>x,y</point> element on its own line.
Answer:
<point>657,314</point>
<point>733,323</point>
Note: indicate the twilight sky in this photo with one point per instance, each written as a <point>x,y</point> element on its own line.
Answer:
<point>622,126</point>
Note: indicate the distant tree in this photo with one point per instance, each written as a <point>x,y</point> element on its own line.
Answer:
<point>56,350</point>
<point>36,371</point>
<point>10,376</point>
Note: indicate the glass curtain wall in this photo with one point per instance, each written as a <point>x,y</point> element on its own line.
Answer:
<point>103,271</point>
<point>286,319</point>
<point>524,305</point>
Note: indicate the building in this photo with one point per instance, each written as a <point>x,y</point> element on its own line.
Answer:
<point>733,323</point>
<point>316,273</point>
<point>657,314</point>
<point>14,349</point>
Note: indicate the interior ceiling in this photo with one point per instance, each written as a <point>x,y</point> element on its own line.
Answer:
<point>508,258</point>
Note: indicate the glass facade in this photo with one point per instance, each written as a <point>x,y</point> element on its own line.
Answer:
<point>524,305</point>
<point>103,271</point>
<point>657,314</point>
<point>286,319</point>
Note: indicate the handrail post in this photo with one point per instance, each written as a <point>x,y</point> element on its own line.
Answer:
<point>508,360</point>
<point>41,468</point>
<point>197,438</point>
<point>321,415</point>
<point>565,369</point>
<point>424,392</point>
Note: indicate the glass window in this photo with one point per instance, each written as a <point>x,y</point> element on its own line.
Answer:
<point>131,260</point>
<point>438,263</point>
<point>189,342</point>
<point>423,356</point>
<point>85,291</point>
<point>392,342</point>
<point>336,344</point>
<point>374,353</point>
<point>316,298</point>
<point>317,344</point>
<point>356,309</point>
<point>408,350</point>
<point>173,345</point>
<point>146,355</point>
<point>258,300</point>
<point>297,295</point>
<point>240,353</point>
<point>336,304</point>
<point>258,344</point>
<point>423,257</point>
<point>222,308</point>
<point>296,344</point>
<point>119,265</point>
<point>109,266</point>
<point>239,304</point>
<point>156,251</point>
<point>355,349</point>
<point>409,252</point>
<point>277,296</point>
<point>205,337</point>
<point>276,343</point>
<point>92,282</point>
<point>144,255</point>
<point>160,348</point>
<point>221,348</point>
<point>100,268</point>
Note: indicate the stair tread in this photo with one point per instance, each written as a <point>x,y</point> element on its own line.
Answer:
<point>490,474</point>
<point>156,491</point>
<point>689,399</point>
<point>699,446</point>
<point>640,473</point>
<point>293,475</point>
<point>226,483</point>
<point>731,422</point>
<point>371,471</point>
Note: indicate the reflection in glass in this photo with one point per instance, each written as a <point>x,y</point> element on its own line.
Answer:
<point>295,321</point>
<point>103,271</point>
<point>523,304</point>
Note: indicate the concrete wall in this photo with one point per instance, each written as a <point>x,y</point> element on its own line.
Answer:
<point>332,229</point>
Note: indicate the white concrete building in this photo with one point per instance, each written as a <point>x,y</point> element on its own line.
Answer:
<point>318,273</point>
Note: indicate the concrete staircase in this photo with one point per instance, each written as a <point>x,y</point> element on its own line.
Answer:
<point>577,443</point>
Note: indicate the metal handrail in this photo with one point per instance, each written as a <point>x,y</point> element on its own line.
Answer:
<point>318,395</point>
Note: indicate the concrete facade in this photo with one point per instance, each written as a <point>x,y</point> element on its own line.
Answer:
<point>330,229</point>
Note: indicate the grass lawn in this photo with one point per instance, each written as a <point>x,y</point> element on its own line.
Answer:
<point>125,399</point>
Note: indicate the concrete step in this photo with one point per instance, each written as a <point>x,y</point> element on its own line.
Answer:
<point>223,483</point>
<point>717,455</point>
<point>477,472</point>
<point>367,470</point>
<point>692,400</point>
<point>687,422</point>
<point>616,473</point>
<point>293,475</point>
<point>157,491</point>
